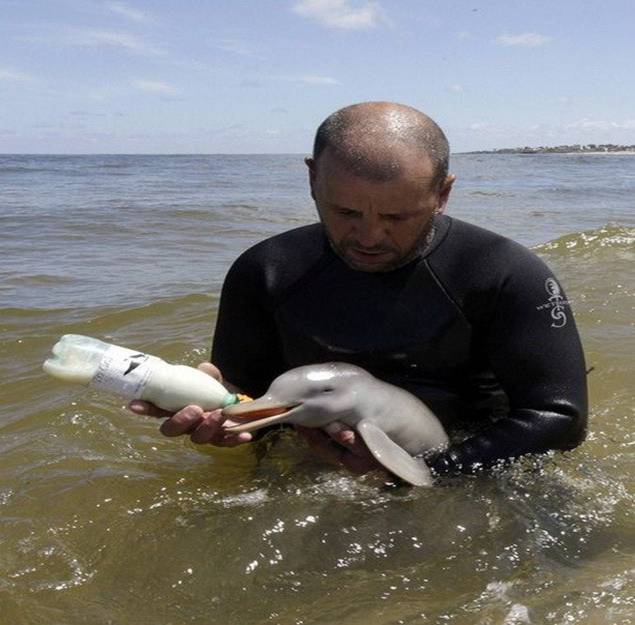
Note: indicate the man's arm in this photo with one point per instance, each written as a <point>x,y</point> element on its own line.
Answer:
<point>534,350</point>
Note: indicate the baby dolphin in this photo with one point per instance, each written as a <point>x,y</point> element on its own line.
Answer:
<point>394,424</point>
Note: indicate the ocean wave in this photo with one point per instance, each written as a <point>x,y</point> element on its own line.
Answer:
<point>15,169</point>
<point>613,236</point>
<point>40,279</point>
<point>157,307</point>
<point>491,193</point>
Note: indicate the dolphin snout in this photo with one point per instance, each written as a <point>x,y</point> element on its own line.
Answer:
<point>256,414</point>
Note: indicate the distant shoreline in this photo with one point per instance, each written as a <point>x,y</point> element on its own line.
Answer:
<point>591,149</point>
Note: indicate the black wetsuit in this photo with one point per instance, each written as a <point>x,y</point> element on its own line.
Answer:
<point>477,327</point>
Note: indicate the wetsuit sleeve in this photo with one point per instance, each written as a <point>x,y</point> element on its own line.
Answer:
<point>246,346</point>
<point>530,339</point>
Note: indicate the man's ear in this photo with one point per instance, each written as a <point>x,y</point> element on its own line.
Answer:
<point>310,163</point>
<point>444,193</point>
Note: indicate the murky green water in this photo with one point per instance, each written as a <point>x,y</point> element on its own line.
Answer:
<point>106,521</point>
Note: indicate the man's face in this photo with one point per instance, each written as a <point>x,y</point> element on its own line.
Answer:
<point>376,226</point>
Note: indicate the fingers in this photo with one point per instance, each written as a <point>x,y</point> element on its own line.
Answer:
<point>231,440</point>
<point>141,407</point>
<point>185,421</point>
<point>211,369</point>
<point>341,433</point>
<point>345,436</point>
<point>337,444</point>
<point>203,427</point>
<point>209,429</point>
<point>322,445</point>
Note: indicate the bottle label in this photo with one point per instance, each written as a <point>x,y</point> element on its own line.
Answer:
<point>123,372</point>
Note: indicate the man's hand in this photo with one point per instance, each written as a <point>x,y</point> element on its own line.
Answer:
<point>202,427</point>
<point>339,445</point>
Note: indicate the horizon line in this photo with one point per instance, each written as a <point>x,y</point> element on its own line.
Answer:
<point>301,154</point>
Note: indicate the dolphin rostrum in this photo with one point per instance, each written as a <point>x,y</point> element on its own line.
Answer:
<point>395,425</point>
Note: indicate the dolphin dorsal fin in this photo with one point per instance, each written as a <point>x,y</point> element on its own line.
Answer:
<point>394,458</point>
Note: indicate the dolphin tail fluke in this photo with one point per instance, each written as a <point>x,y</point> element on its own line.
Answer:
<point>394,458</point>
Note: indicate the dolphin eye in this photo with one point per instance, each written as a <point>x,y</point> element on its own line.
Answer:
<point>328,389</point>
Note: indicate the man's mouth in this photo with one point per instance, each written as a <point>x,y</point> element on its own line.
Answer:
<point>368,256</point>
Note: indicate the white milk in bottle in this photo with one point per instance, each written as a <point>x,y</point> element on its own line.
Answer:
<point>134,375</point>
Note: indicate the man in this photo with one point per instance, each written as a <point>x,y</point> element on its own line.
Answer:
<point>472,323</point>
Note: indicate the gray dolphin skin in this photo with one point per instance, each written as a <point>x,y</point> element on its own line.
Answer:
<point>395,425</point>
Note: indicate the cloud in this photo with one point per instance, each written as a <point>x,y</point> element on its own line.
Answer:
<point>58,126</point>
<point>484,127</point>
<point>128,12</point>
<point>91,38</point>
<point>12,76</point>
<point>340,14</point>
<point>317,80</point>
<point>115,39</point>
<point>82,113</point>
<point>155,86</point>
<point>528,40</point>
<point>456,88</point>
<point>309,79</point>
<point>252,83</point>
<point>590,124</point>
<point>235,46</point>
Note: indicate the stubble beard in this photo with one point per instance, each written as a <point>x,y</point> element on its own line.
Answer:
<point>423,242</point>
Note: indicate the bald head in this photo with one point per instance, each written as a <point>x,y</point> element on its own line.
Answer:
<point>375,139</point>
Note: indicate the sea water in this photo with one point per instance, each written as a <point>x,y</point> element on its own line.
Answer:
<point>106,521</point>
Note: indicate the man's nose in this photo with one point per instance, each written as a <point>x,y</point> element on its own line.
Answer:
<point>370,232</point>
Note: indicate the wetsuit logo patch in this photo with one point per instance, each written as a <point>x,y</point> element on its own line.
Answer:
<point>555,304</point>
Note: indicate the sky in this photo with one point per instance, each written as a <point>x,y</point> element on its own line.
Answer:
<point>258,76</point>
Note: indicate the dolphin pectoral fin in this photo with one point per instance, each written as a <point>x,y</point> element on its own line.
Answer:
<point>394,458</point>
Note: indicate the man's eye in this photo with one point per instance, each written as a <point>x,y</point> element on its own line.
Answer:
<point>394,218</point>
<point>346,212</point>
